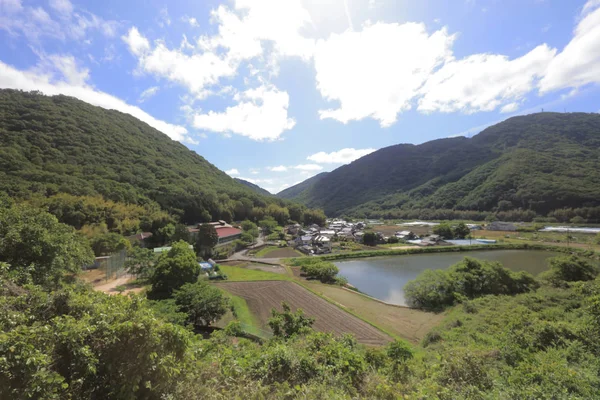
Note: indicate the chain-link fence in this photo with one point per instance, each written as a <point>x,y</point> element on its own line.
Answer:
<point>112,266</point>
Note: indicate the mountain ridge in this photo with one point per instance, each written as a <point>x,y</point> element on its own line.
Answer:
<point>539,162</point>
<point>58,144</point>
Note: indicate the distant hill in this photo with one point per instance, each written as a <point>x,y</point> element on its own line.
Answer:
<point>51,145</point>
<point>539,162</point>
<point>254,187</point>
<point>296,191</point>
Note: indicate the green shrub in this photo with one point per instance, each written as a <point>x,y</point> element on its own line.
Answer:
<point>468,279</point>
<point>569,269</point>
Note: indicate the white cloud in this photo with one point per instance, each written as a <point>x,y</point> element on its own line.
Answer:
<point>191,20</point>
<point>148,93</point>
<point>196,72</point>
<point>579,62</point>
<point>254,171</point>
<point>242,30</point>
<point>260,114</point>
<point>484,82</point>
<point>50,82</point>
<point>589,6</point>
<point>281,168</point>
<point>137,43</point>
<point>232,172</point>
<point>378,71</point>
<point>164,19</point>
<point>308,167</point>
<point>342,156</point>
<point>35,22</point>
<point>510,107</point>
<point>62,6</point>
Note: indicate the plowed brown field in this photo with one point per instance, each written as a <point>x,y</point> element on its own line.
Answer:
<point>262,296</point>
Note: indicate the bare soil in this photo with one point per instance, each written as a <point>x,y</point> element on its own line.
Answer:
<point>262,296</point>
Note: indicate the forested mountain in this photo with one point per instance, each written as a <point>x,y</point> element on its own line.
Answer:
<point>59,145</point>
<point>297,191</point>
<point>253,186</point>
<point>539,163</point>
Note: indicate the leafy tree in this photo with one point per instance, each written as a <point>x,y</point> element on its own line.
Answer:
<point>287,324</point>
<point>569,269</point>
<point>393,239</point>
<point>444,230</point>
<point>461,231</point>
<point>324,271</point>
<point>370,238</point>
<point>206,240</point>
<point>181,233</point>
<point>267,225</point>
<point>250,228</point>
<point>173,270</point>
<point>201,302</point>
<point>578,220</point>
<point>140,262</point>
<point>109,243</point>
<point>38,247</point>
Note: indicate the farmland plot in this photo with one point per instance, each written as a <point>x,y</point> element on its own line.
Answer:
<point>262,296</point>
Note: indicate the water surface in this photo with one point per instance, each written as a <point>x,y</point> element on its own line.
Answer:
<point>384,277</point>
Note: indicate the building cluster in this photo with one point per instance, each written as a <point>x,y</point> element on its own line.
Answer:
<point>315,239</point>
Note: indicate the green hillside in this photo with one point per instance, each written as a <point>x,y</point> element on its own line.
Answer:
<point>61,145</point>
<point>253,186</point>
<point>536,163</point>
<point>296,191</point>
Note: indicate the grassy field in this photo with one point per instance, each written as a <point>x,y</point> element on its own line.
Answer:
<point>250,323</point>
<point>277,252</point>
<point>240,274</point>
<point>406,323</point>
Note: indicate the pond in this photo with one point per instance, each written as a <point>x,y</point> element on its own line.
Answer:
<point>384,277</point>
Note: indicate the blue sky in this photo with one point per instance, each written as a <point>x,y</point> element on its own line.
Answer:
<point>275,91</point>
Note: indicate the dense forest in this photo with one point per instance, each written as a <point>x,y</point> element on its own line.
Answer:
<point>254,187</point>
<point>89,166</point>
<point>532,165</point>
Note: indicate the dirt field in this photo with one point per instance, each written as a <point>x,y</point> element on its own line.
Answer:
<point>284,252</point>
<point>407,323</point>
<point>263,296</point>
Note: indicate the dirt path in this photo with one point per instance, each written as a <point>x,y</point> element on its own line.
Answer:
<point>109,287</point>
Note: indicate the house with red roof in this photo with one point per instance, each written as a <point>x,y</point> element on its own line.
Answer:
<point>226,232</point>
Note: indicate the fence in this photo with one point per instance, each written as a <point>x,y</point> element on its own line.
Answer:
<point>113,265</point>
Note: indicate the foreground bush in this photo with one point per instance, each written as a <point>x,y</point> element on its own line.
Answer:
<point>79,344</point>
<point>569,269</point>
<point>468,279</point>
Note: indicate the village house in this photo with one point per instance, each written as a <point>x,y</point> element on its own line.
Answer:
<point>406,235</point>
<point>293,229</point>
<point>140,238</point>
<point>226,232</point>
<point>322,243</point>
<point>303,240</point>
